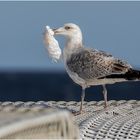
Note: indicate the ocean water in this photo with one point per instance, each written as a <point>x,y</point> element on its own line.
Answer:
<point>47,86</point>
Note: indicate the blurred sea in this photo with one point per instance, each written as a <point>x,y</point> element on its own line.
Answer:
<point>36,86</point>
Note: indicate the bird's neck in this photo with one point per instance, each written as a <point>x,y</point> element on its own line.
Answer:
<point>72,44</point>
<point>74,41</point>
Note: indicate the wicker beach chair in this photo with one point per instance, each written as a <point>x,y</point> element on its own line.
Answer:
<point>53,120</point>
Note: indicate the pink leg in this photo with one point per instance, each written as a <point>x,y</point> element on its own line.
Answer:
<point>105,95</point>
<point>82,100</point>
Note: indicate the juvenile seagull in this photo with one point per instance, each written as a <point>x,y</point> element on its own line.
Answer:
<point>88,67</point>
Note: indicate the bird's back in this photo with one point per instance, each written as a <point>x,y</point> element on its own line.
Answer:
<point>91,64</point>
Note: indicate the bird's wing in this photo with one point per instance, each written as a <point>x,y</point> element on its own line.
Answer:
<point>93,64</point>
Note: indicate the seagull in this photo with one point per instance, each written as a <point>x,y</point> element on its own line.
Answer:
<point>90,67</point>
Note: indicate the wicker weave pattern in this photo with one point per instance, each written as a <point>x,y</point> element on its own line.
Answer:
<point>35,120</point>
<point>121,120</point>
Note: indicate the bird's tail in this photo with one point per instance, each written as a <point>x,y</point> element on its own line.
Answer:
<point>132,75</point>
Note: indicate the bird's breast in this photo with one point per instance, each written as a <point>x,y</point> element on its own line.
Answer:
<point>74,76</point>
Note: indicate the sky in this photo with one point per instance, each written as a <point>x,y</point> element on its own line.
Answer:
<point>113,27</point>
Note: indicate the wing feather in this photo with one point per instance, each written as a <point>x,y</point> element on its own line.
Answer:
<point>93,64</point>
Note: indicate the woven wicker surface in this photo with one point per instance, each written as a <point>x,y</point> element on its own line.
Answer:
<point>121,120</point>
<point>35,120</point>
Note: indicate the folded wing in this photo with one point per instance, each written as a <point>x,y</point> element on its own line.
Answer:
<point>93,64</point>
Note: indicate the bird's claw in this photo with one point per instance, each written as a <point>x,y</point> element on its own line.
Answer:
<point>75,113</point>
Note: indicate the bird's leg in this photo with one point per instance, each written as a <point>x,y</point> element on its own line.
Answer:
<point>81,105</point>
<point>105,95</point>
<point>82,99</point>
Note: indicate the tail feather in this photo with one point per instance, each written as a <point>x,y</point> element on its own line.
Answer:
<point>130,75</point>
<point>133,74</point>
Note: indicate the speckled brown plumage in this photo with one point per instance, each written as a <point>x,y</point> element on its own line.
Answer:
<point>93,64</point>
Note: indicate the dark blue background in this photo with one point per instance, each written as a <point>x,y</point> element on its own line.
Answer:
<point>35,86</point>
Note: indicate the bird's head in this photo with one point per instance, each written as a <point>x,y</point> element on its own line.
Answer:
<point>70,31</point>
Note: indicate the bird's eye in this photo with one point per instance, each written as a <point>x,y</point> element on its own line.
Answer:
<point>67,27</point>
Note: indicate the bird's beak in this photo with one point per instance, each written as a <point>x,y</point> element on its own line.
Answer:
<point>58,31</point>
